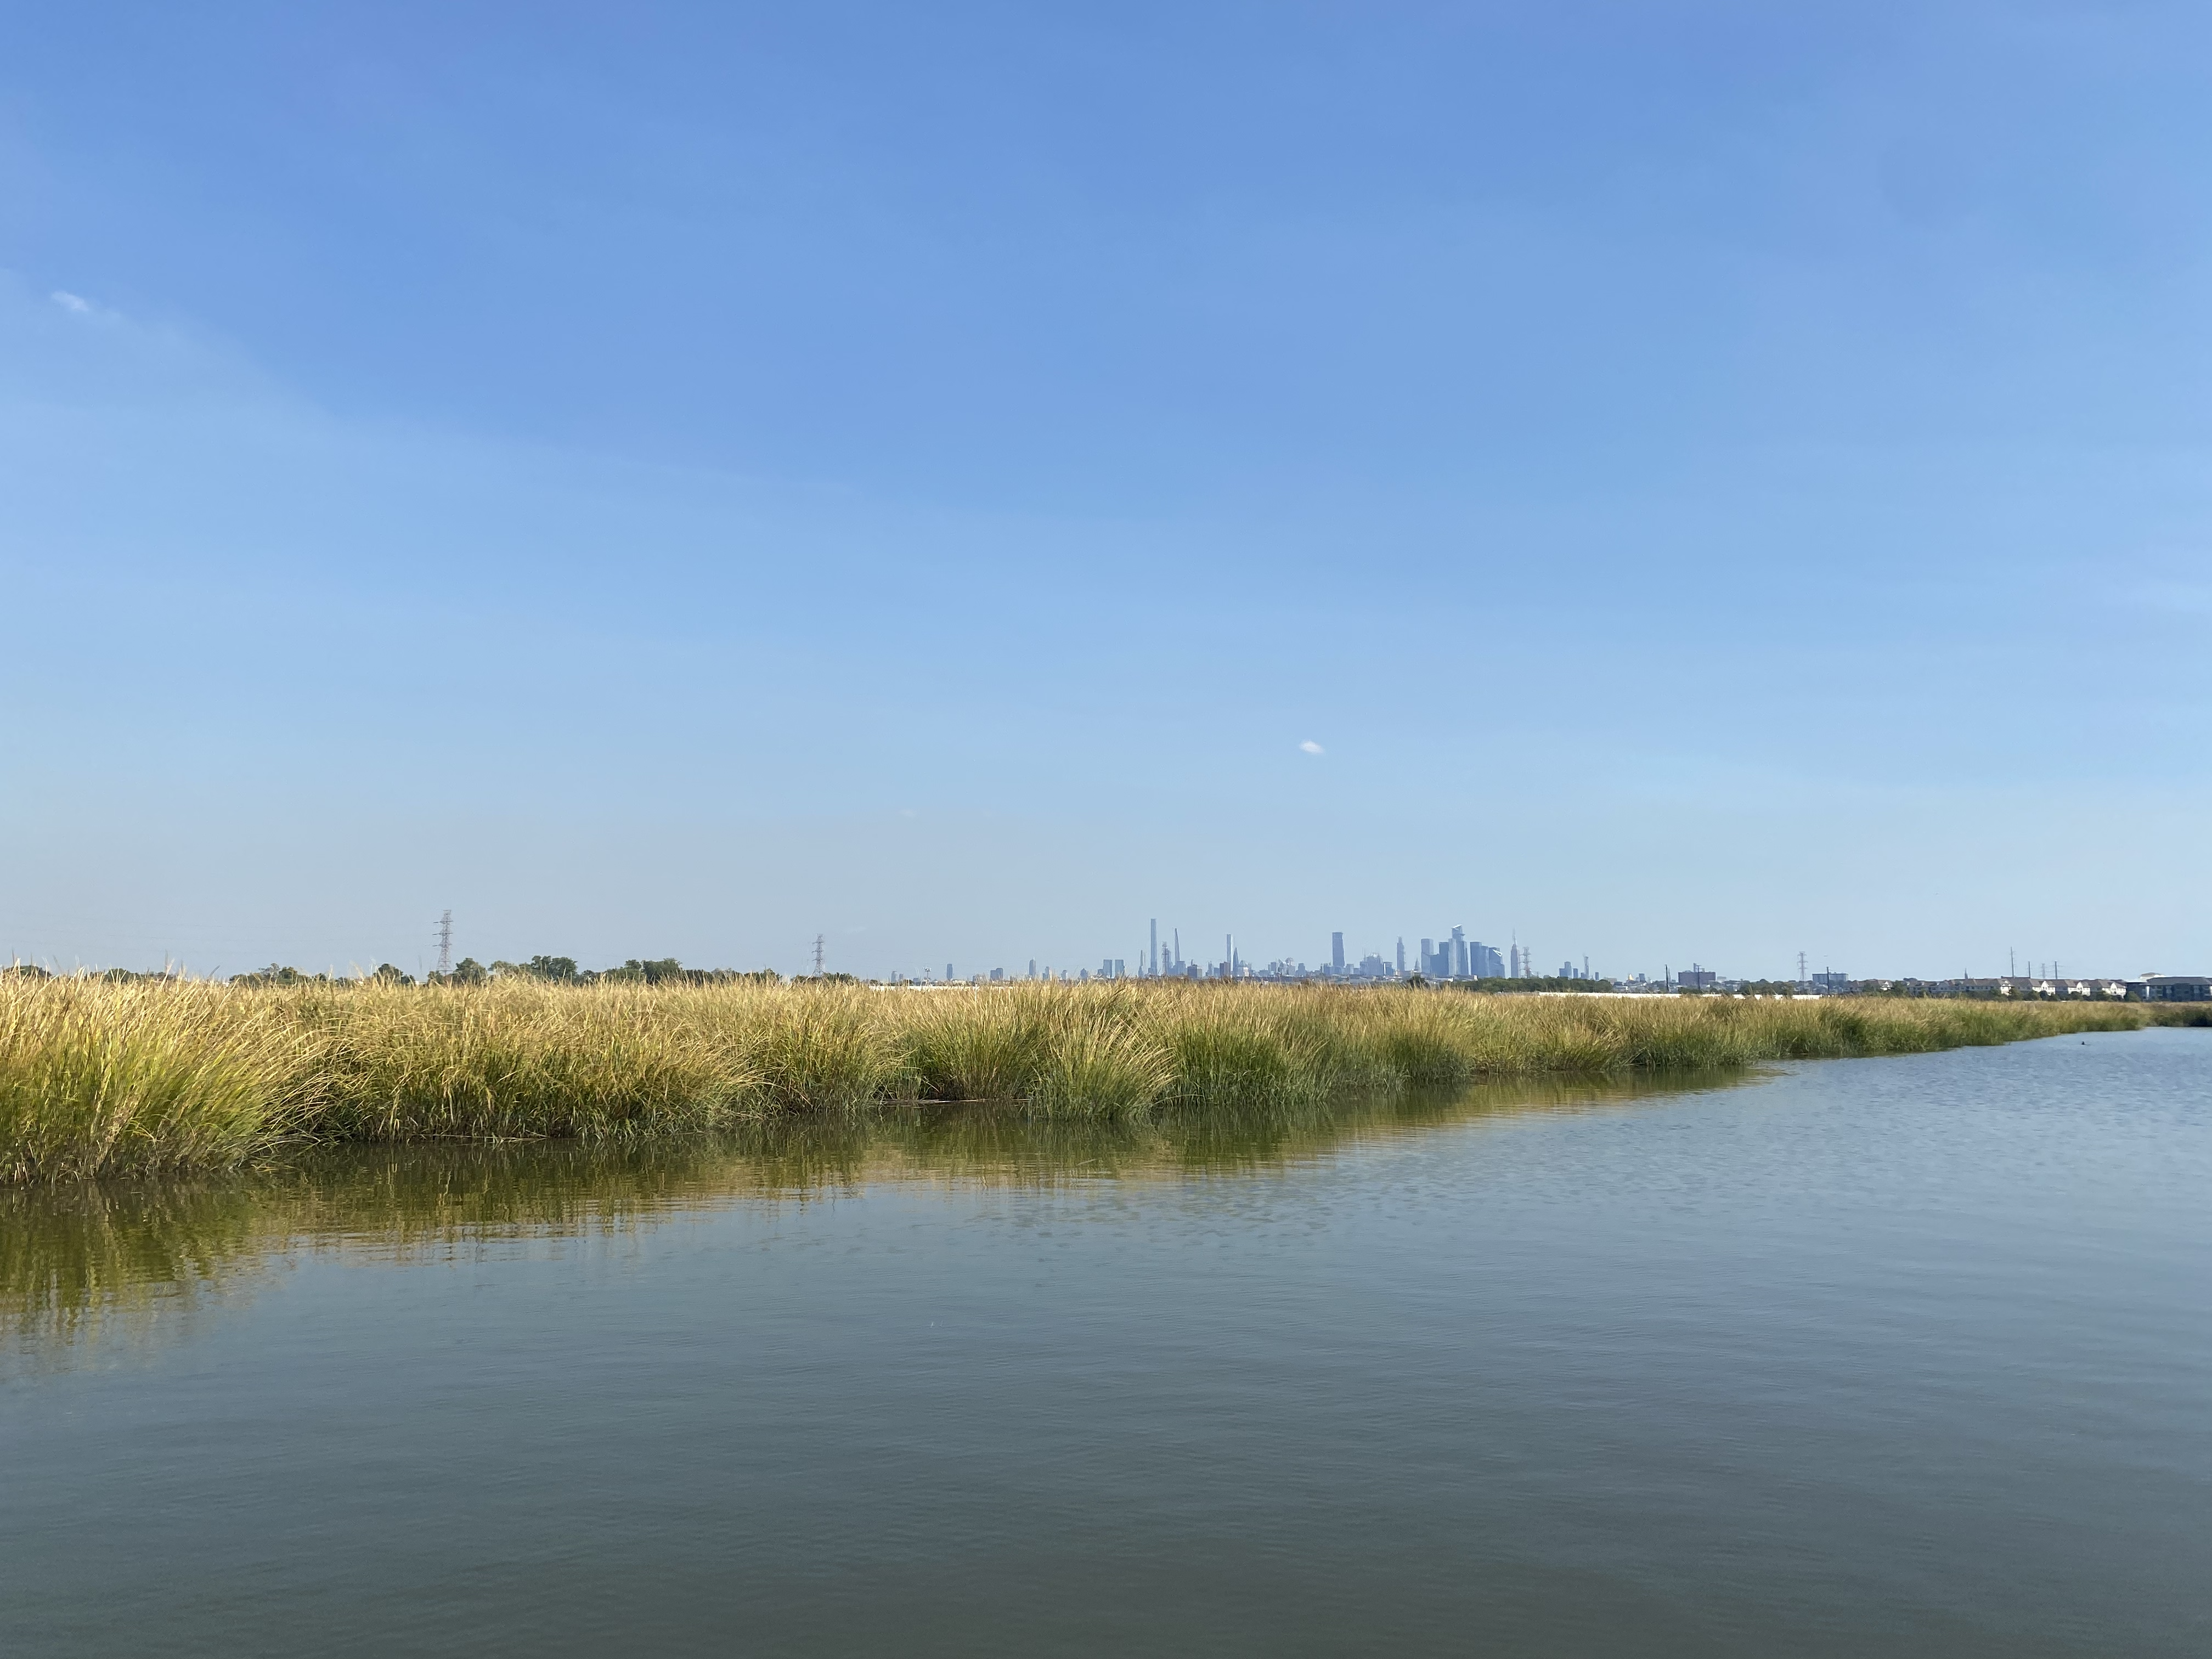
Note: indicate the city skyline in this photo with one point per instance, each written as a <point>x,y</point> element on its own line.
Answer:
<point>1450,954</point>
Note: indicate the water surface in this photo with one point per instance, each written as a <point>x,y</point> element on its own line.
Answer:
<point>1902,1356</point>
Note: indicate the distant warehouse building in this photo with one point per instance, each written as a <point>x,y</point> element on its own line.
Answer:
<point>2171,988</point>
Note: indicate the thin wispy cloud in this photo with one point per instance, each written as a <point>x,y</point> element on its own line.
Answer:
<point>1312,747</point>
<point>74,303</point>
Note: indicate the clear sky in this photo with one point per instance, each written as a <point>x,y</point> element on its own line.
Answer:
<point>1709,480</point>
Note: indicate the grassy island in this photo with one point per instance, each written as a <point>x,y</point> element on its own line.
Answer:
<point>100,1078</point>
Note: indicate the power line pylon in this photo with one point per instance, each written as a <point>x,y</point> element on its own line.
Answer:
<point>445,943</point>
<point>817,956</point>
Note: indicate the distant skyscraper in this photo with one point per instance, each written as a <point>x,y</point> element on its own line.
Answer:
<point>1429,958</point>
<point>1152,950</point>
<point>1402,953</point>
<point>1458,967</point>
<point>1336,953</point>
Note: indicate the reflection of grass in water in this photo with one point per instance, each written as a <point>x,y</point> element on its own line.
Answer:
<point>78,1258</point>
<point>1263,1134</point>
<point>101,1079</point>
<point>135,1259</point>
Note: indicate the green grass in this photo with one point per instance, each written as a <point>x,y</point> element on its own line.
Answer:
<point>98,1078</point>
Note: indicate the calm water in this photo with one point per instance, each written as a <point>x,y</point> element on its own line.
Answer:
<point>1895,1357</point>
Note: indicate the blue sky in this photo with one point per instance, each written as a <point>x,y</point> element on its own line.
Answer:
<point>1713,481</point>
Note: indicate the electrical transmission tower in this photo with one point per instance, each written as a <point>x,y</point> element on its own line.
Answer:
<point>1801,966</point>
<point>817,956</point>
<point>445,943</point>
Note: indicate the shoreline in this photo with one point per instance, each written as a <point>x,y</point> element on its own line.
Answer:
<point>99,1078</point>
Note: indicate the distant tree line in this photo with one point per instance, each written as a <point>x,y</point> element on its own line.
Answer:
<point>550,971</point>
<point>563,970</point>
<point>107,976</point>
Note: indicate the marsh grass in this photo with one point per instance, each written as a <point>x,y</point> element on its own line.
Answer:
<point>509,1063</point>
<point>99,1078</point>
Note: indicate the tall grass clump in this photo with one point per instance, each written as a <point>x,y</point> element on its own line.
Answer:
<point>955,1046</point>
<point>817,1047</point>
<point>99,1078</point>
<point>1098,1058</point>
<point>514,1062</point>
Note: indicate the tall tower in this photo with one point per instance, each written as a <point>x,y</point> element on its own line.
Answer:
<point>445,943</point>
<point>1152,953</point>
<point>1336,952</point>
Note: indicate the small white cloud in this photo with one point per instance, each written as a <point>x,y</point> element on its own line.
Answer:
<point>1312,747</point>
<point>907,812</point>
<point>71,302</point>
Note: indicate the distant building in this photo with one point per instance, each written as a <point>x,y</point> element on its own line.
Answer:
<point>2089,988</point>
<point>2171,988</point>
<point>1486,963</point>
<point>1832,981</point>
<point>1696,979</point>
<point>1336,953</point>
